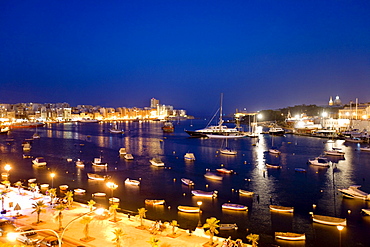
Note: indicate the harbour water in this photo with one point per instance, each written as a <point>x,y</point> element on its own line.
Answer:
<point>315,190</point>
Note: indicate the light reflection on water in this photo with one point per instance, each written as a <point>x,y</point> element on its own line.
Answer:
<point>145,140</point>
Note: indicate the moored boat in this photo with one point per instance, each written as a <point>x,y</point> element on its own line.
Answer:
<point>366,149</point>
<point>63,187</point>
<point>319,161</point>
<point>26,146</point>
<point>154,202</point>
<point>212,176</point>
<point>98,163</point>
<point>168,127</point>
<point>282,209</point>
<point>232,226</point>
<point>234,206</point>
<point>132,181</point>
<point>276,166</point>
<point>80,163</point>
<point>245,192</point>
<point>156,162</point>
<point>187,181</point>
<point>224,170</point>
<point>334,152</point>
<point>299,169</point>
<point>79,191</point>
<point>188,209</point>
<point>129,157</point>
<point>4,129</point>
<point>366,211</point>
<point>99,177</point>
<point>99,194</point>
<point>353,191</point>
<point>39,161</point>
<point>122,151</point>
<point>290,236</point>
<point>204,193</point>
<point>228,151</point>
<point>26,125</point>
<point>276,131</point>
<point>329,220</point>
<point>274,151</point>
<point>189,156</point>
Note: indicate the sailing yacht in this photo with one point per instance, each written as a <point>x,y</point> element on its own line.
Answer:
<point>273,150</point>
<point>115,129</point>
<point>227,150</point>
<point>217,131</point>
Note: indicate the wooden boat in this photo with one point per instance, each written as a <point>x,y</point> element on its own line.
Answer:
<point>246,193</point>
<point>290,236</point>
<point>189,156</point>
<point>299,169</point>
<point>79,191</point>
<point>122,151</point>
<point>204,193</point>
<point>228,227</point>
<point>129,157</point>
<point>188,209</point>
<point>212,176</point>
<point>99,177</point>
<point>281,209</point>
<point>156,162</point>
<point>366,211</point>
<point>187,181</point>
<point>328,220</point>
<point>224,170</point>
<point>233,206</point>
<point>132,181</point>
<point>98,163</point>
<point>276,166</point>
<point>154,202</point>
<point>39,161</point>
<point>99,194</point>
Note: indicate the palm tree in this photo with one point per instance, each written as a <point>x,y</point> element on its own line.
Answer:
<point>69,198</point>
<point>38,207</point>
<point>174,225</point>
<point>253,238</point>
<point>19,185</point>
<point>142,215</point>
<point>86,221</point>
<point>113,210</point>
<point>53,194</point>
<point>118,233</point>
<point>91,204</point>
<point>154,242</point>
<point>58,216</point>
<point>212,225</point>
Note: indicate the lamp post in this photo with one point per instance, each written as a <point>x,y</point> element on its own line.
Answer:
<point>340,228</point>
<point>199,203</point>
<point>7,169</point>
<point>52,175</point>
<point>112,186</point>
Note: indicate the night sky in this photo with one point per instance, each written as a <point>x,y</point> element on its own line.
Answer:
<point>259,54</point>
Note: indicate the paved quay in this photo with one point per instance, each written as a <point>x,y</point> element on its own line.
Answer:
<point>101,228</point>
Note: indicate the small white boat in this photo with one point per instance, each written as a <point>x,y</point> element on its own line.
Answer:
<point>128,157</point>
<point>290,236</point>
<point>246,193</point>
<point>276,166</point>
<point>132,181</point>
<point>79,191</point>
<point>328,220</point>
<point>233,206</point>
<point>156,162</point>
<point>228,227</point>
<point>31,180</point>
<point>98,163</point>
<point>274,151</point>
<point>154,202</point>
<point>187,181</point>
<point>44,186</point>
<point>63,187</point>
<point>39,161</point>
<point>212,176</point>
<point>36,136</point>
<point>276,131</point>
<point>189,156</point>
<point>281,209</point>
<point>228,151</point>
<point>99,177</point>
<point>116,130</point>
<point>99,194</point>
<point>122,151</point>
<point>113,200</point>
<point>224,170</point>
<point>366,211</point>
<point>319,161</point>
<point>188,209</point>
<point>366,149</point>
<point>204,193</point>
<point>26,146</point>
<point>69,160</point>
<point>334,152</point>
<point>353,191</point>
<point>80,163</point>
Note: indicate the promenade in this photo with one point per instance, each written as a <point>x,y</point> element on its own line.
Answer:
<point>101,228</point>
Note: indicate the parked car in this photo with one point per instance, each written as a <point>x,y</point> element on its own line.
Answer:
<point>6,226</point>
<point>29,238</point>
<point>50,241</point>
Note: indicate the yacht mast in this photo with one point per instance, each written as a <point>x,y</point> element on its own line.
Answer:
<point>221,121</point>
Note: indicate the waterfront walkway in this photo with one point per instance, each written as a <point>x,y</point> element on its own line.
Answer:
<point>102,227</point>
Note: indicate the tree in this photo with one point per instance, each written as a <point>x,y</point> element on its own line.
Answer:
<point>58,216</point>
<point>113,210</point>
<point>18,184</point>
<point>211,225</point>
<point>91,204</point>
<point>118,233</point>
<point>154,242</point>
<point>142,215</point>
<point>39,207</point>
<point>69,198</point>
<point>253,238</point>
<point>86,220</point>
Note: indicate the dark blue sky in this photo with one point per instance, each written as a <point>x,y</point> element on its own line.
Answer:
<point>260,54</point>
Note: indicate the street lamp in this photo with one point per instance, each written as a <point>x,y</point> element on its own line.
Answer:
<point>112,186</point>
<point>52,175</point>
<point>7,169</point>
<point>199,203</point>
<point>340,228</point>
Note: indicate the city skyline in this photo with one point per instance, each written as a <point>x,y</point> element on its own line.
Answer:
<point>260,55</point>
